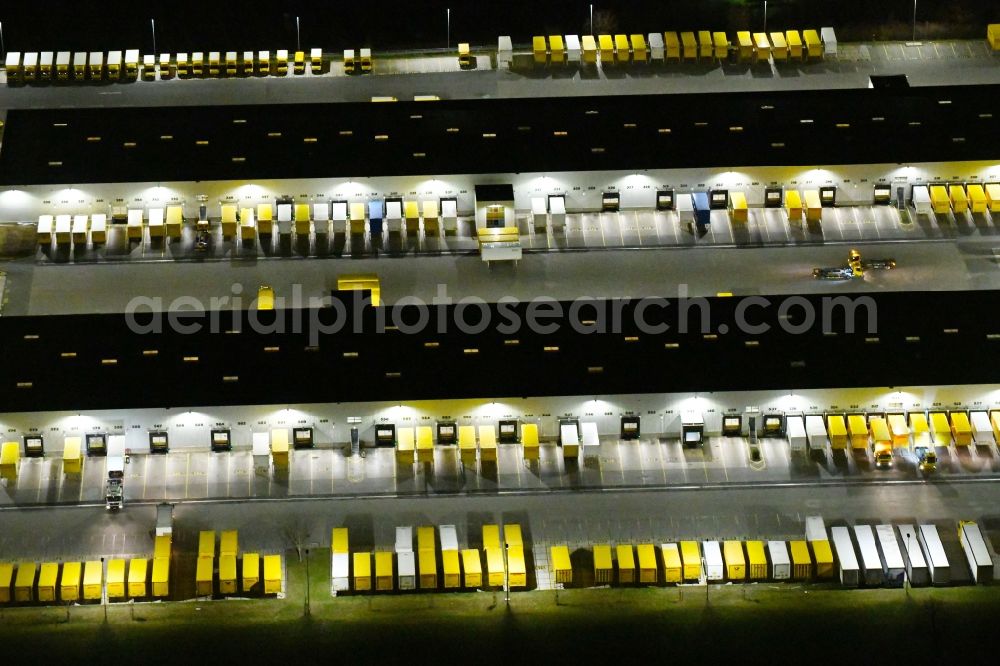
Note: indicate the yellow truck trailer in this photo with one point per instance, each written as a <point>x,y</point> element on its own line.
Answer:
<point>673,570</point>
<point>494,566</point>
<point>738,207</point>
<point>10,458</point>
<point>823,556</point>
<point>622,51</point>
<point>562,568</point>
<point>279,436</point>
<point>362,572</point>
<point>228,222</point>
<point>116,579</point>
<point>744,46</point>
<point>93,580</point>
<point>779,47</point>
<point>137,570</point>
<point>557,50</point>
<point>228,574</point>
<point>898,430</point>
<point>706,46</point>
<point>814,206</point>
<point>48,579</point>
<point>813,44</point>
<point>69,582</point>
<point>472,568</point>
<point>721,45</point>
<point>761,47</point>
<point>793,204</point>
<point>689,46</point>
<point>606,48</point>
<point>604,570</point>
<point>451,569</point>
<point>467,444</point>
<point>427,565</point>
<point>993,197</point>
<point>491,536</point>
<point>299,62</point>
<point>801,561</point>
<point>626,564</point>
<point>672,46</point>
<point>756,560</point>
<point>204,576</point>
<point>404,446</point>
<point>736,564</point>
<point>589,48</point>
<point>529,440</point>
<point>383,571</point>
<point>273,575</point>
<point>977,197</point>
<point>539,50</point>
<point>639,51</point>
<point>425,444</point>
<point>794,41</point>
<point>339,540</point>
<point>691,559</point>
<point>881,441</point>
<point>161,577</point>
<point>941,428</point>
<point>858,430</point>
<point>940,201</point>
<point>161,547</point>
<point>24,582</point>
<point>251,572</point>
<point>426,538</point>
<point>646,555</point>
<point>512,535</point>
<point>229,543</point>
<point>206,543</point>
<point>961,429</point>
<point>959,202</point>
<point>837,431</point>
<point>72,455</point>
<point>487,444</point>
<point>6,578</point>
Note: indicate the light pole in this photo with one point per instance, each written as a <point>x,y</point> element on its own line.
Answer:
<point>914,38</point>
<point>104,597</point>
<point>591,19</point>
<point>765,15</point>
<point>298,43</point>
<point>447,42</point>
<point>152,23</point>
<point>308,607</point>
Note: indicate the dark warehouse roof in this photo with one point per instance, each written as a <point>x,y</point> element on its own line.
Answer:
<point>96,362</point>
<point>66,146</point>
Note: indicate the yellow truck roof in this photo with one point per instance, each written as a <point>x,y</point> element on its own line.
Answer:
<point>529,434</point>
<point>93,573</point>
<point>383,563</point>
<point>363,565</point>
<point>48,574</point>
<point>449,562</point>
<point>466,437</point>
<point>738,200</point>
<point>512,535</point>
<point>559,556</point>
<point>960,422</point>
<point>856,424</point>
<point>822,552</point>
<point>471,562</point>
<point>161,547</point>
<point>879,429</point>
<point>70,574</point>
<point>626,557</point>
<point>918,422</point>
<point>206,543</point>
<point>137,570</point>
<point>732,551</point>
<point>690,551</point>
<point>272,567</point>
<point>835,425</point>
<point>793,199</point>
<point>491,536</point>
<point>227,567</point>
<point>339,540</point>
<point>425,437</point>
<point>605,42</point>
<point>487,437</point>
<point>800,552</point>
<point>646,554</point>
<point>755,553</point>
<point>251,565</point>
<point>427,562</point>
<point>602,556</point>
<point>404,439</point>
<point>116,571</point>
<point>425,538</point>
<point>229,542</point>
<point>743,37</point>
<point>671,555</point>
<point>897,425</point>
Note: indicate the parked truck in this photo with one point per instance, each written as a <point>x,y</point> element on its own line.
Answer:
<point>976,552</point>
<point>114,486</point>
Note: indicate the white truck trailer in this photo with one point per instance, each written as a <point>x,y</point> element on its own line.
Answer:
<point>340,572</point>
<point>976,552</point>
<point>871,564</point>
<point>795,431</point>
<point>714,568</point>
<point>847,559</point>
<point>816,432</point>
<point>893,567</point>
<point>913,554</point>
<point>164,519</point>
<point>937,561</point>
<point>781,565</point>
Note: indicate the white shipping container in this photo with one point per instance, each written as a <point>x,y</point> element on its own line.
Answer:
<point>922,200</point>
<point>816,432</point>
<point>655,42</point>
<point>938,565</point>
<point>916,564</point>
<point>816,529</point>
<point>714,568</point>
<point>449,537</point>
<point>795,431</point>
<point>871,564</point>
<point>685,209</point>
<point>847,560</point>
<point>406,570</point>
<point>829,38</point>
<point>591,440</point>
<point>340,564</point>
<point>539,215</point>
<point>893,566</point>
<point>557,211</point>
<point>404,539</point>
<point>781,566</point>
<point>572,48</point>
<point>976,552</point>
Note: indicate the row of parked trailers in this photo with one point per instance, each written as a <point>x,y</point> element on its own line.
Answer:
<point>246,222</point>
<point>878,556</point>
<point>896,430</point>
<point>689,46</point>
<point>428,567</point>
<point>94,66</point>
<point>72,582</point>
<point>958,197</point>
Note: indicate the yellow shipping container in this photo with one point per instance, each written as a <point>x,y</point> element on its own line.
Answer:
<point>646,554</point>
<point>450,569</point>
<point>837,430</point>
<point>672,568</point>
<point>529,440</point>
<point>161,547</point>
<point>794,42</point>
<point>24,583</point>
<point>539,49</point>
<point>363,571</point>
<point>467,444</point>
<point>793,203</point>
<point>761,47</point>
<point>779,47</point>
<point>993,197</point>
<point>940,201</point>
<point>977,197</point>
<point>137,568</point>
<point>227,574</point>
<point>425,444</point>
<point>898,430</point>
<point>427,564</point>
<point>251,572</point>
<point>606,47</point>
<point>744,46</point>
<point>6,578</point>
<point>161,577</point>
<point>116,579</point>
<point>672,46</point>
<point>736,565</point>
<point>801,562</point>
<point>738,206</point>
<point>814,45</point>
<point>557,50</point>
<point>691,559</point>
<point>494,566</point>
<point>206,543</point>
<point>705,44</point>
<point>48,578</point>
<point>589,47</point>
<point>272,574</point>
<point>626,564</point>
<point>941,428</point>
<point>622,50</point>
<point>517,574</point>
<point>487,443</point>
<point>814,207</point>
<point>69,583</point>
<point>959,202</point>
<point>721,45</point>
<point>823,556</point>
<point>404,446</point>
<point>639,50</point>
<point>472,568</point>
<point>93,580</point>
<point>204,576</point>
<point>383,571</point>
<point>961,429</point>
<point>689,46</point>
<point>603,567</point>
<point>757,560</point>
<point>339,540</point>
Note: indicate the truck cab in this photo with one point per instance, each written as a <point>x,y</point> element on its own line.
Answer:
<point>926,459</point>
<point>883,456</point>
